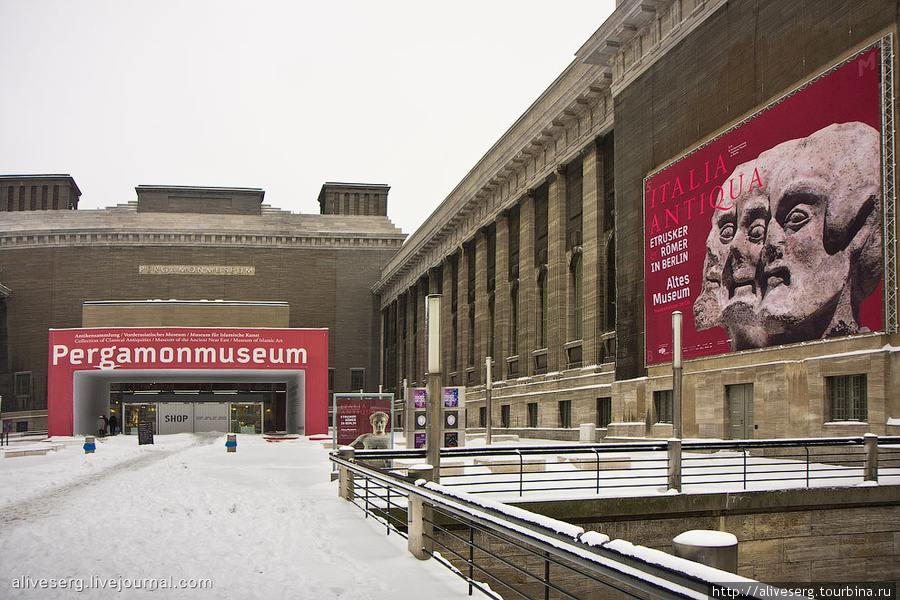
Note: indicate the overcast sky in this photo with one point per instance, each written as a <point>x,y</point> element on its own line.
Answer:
<point>279,95</point>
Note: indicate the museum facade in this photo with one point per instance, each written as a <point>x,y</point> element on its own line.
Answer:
<point>729,161</point>
<point>189,307</point>
<point>732,161</point>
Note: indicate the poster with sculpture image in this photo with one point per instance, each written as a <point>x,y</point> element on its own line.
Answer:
<point>363,420</point>
<point>771,233</point>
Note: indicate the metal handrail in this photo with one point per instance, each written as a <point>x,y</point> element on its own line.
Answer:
<point>811,463</point>
<point>660,580</point>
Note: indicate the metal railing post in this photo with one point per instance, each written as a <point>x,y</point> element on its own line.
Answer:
<point>674,448</point>
<point>345,477</point>
<point>521,473</point>
<point>420,517</point>
<point>546,575</point>
<point>807,466</point>
<point>745,468</point>
<point>870,470</point>
<point>471,557</point>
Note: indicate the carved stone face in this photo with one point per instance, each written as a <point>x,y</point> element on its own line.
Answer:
<point>795,244</point>
<point>731,291</point>
<point>379,421</point>
<point>826,222</point>
<point>709,304</point>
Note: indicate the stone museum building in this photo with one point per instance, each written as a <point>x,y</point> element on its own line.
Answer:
<point>189,257</point>
<point>729,160</point>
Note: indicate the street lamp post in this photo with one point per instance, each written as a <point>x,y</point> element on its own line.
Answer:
<point>487,399</point>
<point>676,373</point>
<point>433,382</point>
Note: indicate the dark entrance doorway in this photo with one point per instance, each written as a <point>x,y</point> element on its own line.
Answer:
<point>269,397</point>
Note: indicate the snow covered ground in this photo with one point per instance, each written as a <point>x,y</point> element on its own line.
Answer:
<point>263,522</point>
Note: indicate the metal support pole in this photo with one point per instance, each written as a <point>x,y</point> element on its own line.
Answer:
<point>409,414</point>
<point>676,374</point>
<point>488,385</point>
<point>433,408</point>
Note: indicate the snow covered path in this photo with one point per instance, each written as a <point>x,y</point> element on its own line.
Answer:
<point>264,522</point>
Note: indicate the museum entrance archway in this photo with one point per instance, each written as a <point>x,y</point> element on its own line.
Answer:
<point>244,401</point>
<point>199,407</point>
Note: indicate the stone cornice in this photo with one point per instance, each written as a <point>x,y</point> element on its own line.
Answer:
<point>38,239</point>
<point>520,161</point>
<point>573,112</point>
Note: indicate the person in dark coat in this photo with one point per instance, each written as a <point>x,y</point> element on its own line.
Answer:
<point>113,424</point>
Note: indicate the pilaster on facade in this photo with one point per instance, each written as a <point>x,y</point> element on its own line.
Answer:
<point>557,272</point>
<point>410,342</point>
<point>447,338</point>
<point>482,317</point>
<point>421,342</point>
<point>592,214</point>
<point>528,317</point>
<point>502,300</point>
<point>465,314</point>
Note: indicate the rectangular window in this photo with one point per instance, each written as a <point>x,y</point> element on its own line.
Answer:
<point>482,416</point>
<point>514,322</point>
<point>357,379</point>
<point>565,414</point>
<point>532,414</point>
<point>847,397</point>
<point>578,299</point>
<point>23,383</point>
<point>604,412</point>
<point>662,404</point>
<point>504,415</point>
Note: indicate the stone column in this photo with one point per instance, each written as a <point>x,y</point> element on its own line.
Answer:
<point>421,344</point>
<point>592,270</point>
<point>462,313</point>
<point>384,346</point>
<point>527,287</point>
<point>482,317</point>
<point>402,324</point>
<point>501,299</point>
<point>447,341</point>
<point>558,275</point>
<point>412,300</point>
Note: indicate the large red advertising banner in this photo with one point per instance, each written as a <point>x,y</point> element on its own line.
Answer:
<point>771,233</point>
<point>181,348</point>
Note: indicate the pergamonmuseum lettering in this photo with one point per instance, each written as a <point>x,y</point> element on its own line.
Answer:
<point>196,270</point>
<point>110,357</point>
